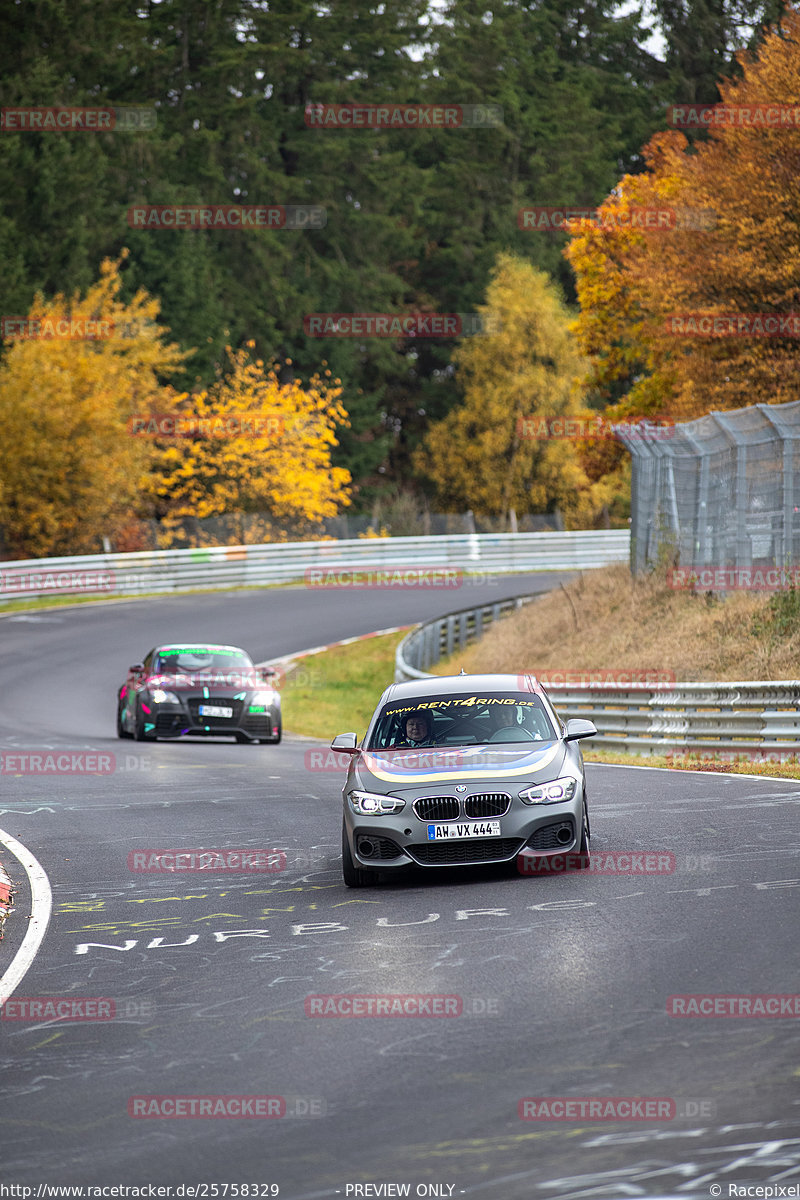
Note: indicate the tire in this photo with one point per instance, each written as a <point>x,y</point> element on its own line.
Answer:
<point>121,730</point>
<point>140,734</point>
<point>354,876</point>
<point>584,850</point>
<point>242,737</point>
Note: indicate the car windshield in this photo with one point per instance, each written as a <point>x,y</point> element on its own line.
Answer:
<point>194,660</point>
<point>462,719</point>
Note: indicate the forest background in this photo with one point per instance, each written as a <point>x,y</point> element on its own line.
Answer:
<point>417,221</point>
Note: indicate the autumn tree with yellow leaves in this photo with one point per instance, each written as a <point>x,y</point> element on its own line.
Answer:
<point>249,445</point>
<point>734,252</point>
<point>85,414</point>
<point>73,372</point>
<point>504,449</point>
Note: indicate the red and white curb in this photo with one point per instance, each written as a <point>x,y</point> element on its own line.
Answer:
<point>7,891</point>
<point>41,906</point>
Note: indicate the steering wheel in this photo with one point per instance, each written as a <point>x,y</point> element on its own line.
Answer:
<point>512,733</point>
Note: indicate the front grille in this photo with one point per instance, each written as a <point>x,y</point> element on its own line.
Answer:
<point>220,702</point>
<point>386,848</point>
<point>436,808</point>
<point>487,804</point>
<point>483,850</point>
<point>545,838</point>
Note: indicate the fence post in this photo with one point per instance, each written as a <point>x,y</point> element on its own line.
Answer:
<point>742,550</point>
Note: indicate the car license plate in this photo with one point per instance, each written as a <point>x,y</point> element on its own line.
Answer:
<point>457,829</point>
<point>214,710</point>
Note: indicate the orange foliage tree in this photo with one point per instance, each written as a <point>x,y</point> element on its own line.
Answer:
<point>80,379</point>
<point>734,250</point>
<point>253,447</point>
<point>71,374</point>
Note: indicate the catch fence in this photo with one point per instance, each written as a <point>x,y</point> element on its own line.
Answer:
<point>720,491</point>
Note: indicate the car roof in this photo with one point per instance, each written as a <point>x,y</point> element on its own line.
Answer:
<point>199,646</point>
<point>485,683</point>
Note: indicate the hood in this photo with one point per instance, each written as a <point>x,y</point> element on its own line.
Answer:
<point>403,770</point>
<point>214,682</point>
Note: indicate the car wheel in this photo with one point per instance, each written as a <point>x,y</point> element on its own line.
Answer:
<point>121,730</point>
<point>140,735</point>
<point>585,836</point>
<point>354,876</point>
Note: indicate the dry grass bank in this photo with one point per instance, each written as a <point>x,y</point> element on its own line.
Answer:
<point>605,620</point>
<point>338,689</point>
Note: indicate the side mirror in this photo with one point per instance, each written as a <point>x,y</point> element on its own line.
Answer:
<point>347,742</point>
<point>267,672</point>
<point>137,669</point>
<point>578,728</point>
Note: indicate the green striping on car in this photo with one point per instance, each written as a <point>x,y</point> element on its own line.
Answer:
<point>198,690</point>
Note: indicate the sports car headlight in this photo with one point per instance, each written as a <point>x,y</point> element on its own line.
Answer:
<point>263,698</point>
<point>550,793</point>
<point>368,804</point>
<point>159,696</point>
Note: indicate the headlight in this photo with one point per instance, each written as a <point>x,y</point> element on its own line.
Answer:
<point>367,804</point>
<point>159,696</point>
<point>550,793</point>
<point>263,698</point>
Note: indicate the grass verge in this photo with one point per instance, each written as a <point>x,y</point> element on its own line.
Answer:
<point>54,601</point>
<point>45,602</point>
<point>689,762</point>
<point>608,620</point>
<point>337,690</point>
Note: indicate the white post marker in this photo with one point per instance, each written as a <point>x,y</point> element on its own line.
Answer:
<point>41,905</point>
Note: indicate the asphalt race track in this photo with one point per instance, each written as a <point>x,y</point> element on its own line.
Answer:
<point>557,985</point>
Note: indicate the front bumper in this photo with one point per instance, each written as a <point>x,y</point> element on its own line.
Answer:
<point>184,719</point>
<point>400,840</point>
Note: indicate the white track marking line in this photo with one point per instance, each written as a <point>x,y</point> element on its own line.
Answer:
<point>707,774</point>
<point>41,905</point>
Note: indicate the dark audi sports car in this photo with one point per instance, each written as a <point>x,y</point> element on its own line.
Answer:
<point>199,691</point>
<point>461,770</point>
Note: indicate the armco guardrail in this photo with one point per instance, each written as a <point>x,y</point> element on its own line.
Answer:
<point>251,566</point>
<point>428,643</point>
<point>754,719</point>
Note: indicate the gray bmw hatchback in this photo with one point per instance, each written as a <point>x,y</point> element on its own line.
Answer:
<point>461,770</point>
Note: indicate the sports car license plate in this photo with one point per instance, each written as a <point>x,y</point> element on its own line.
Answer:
<point>469,829</point>
<point>214,710</point>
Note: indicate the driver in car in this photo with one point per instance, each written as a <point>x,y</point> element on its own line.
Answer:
<point>509,728</point>
<point>418,730</point>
